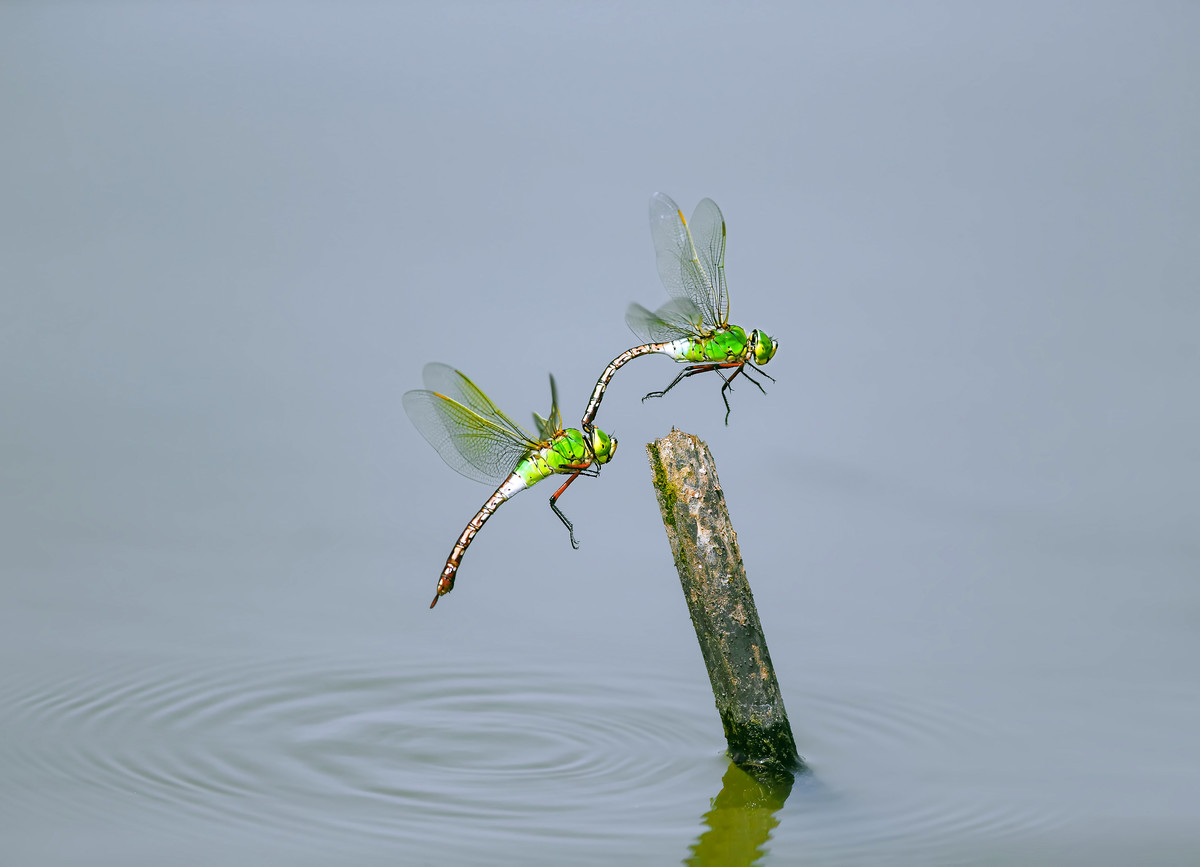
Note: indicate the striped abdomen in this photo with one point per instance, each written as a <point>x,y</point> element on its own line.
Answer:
<point>512,485</point>
<point>677,349</point>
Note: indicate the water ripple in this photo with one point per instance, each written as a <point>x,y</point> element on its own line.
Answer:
<point>288,745</point>
<point>312,748</point>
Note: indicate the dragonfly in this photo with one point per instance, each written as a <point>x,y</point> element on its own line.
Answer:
<point>475,438</point>
<point>692,327</point>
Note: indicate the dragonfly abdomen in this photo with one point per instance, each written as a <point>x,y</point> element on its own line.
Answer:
<point>514,484</point>
<point>674,348</point>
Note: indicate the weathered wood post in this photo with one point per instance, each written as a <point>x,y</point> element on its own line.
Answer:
<point>719,599</point>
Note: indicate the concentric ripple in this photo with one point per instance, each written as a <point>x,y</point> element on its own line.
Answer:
<point>490,758</point>
<point>296,745</point>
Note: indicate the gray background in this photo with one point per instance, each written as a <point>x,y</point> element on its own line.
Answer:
<point>231,236</point>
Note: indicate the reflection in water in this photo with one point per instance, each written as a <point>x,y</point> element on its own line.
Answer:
<point>742,816</point>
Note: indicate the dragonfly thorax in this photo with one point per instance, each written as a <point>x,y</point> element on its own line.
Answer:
<point>569,450</point>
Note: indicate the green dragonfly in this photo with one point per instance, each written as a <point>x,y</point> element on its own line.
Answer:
<point>692,327</point>
<point>476,439</point>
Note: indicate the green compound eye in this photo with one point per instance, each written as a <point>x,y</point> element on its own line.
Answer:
<point>603,446</point>
<point>764,348</point>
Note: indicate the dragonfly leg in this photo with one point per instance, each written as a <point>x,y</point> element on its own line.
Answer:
<point>728,386</point>
<point>691,370</point>
<point>558,511</point>
<point>746,374</point>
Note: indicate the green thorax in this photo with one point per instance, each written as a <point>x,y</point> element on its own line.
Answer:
<point>724,344</point>
<point>567,451</point>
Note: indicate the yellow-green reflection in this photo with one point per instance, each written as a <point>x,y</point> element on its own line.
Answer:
<point>742,816</point>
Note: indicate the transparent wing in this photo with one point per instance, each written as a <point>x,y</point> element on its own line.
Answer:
<point>680,267</point>
<point>470,444</point>
<point>445,380</point>
<point>679,317</point>
<point>708,232</point>
<point>548,427</point>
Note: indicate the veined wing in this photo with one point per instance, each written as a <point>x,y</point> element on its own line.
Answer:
<point>684,270</point>
<point>679,317</point>
<point>469,443</point>
<point>549,426</point>
<point>444,379</point>
<point>708,232</point>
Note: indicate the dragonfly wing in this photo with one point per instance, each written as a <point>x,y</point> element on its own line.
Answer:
<point>469,443</point>
<point>445,380</point>
<point>679,317</point>
<point>554,422</point>
<point>708,232</point>
<point>548,427</point>
<point>680,265</point>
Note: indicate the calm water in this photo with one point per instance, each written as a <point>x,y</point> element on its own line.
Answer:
<point>231,237</point>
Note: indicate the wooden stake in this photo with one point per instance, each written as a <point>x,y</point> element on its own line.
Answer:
<point>719,599</point>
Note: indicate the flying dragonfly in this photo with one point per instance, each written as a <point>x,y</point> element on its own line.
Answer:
<point>693,327</point>
<point>475,438</point>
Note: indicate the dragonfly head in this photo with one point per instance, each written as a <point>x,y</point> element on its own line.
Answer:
<point>603,446</point>
<point>764,346</point>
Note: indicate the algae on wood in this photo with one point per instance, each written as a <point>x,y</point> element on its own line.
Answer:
<point>714,582</point>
